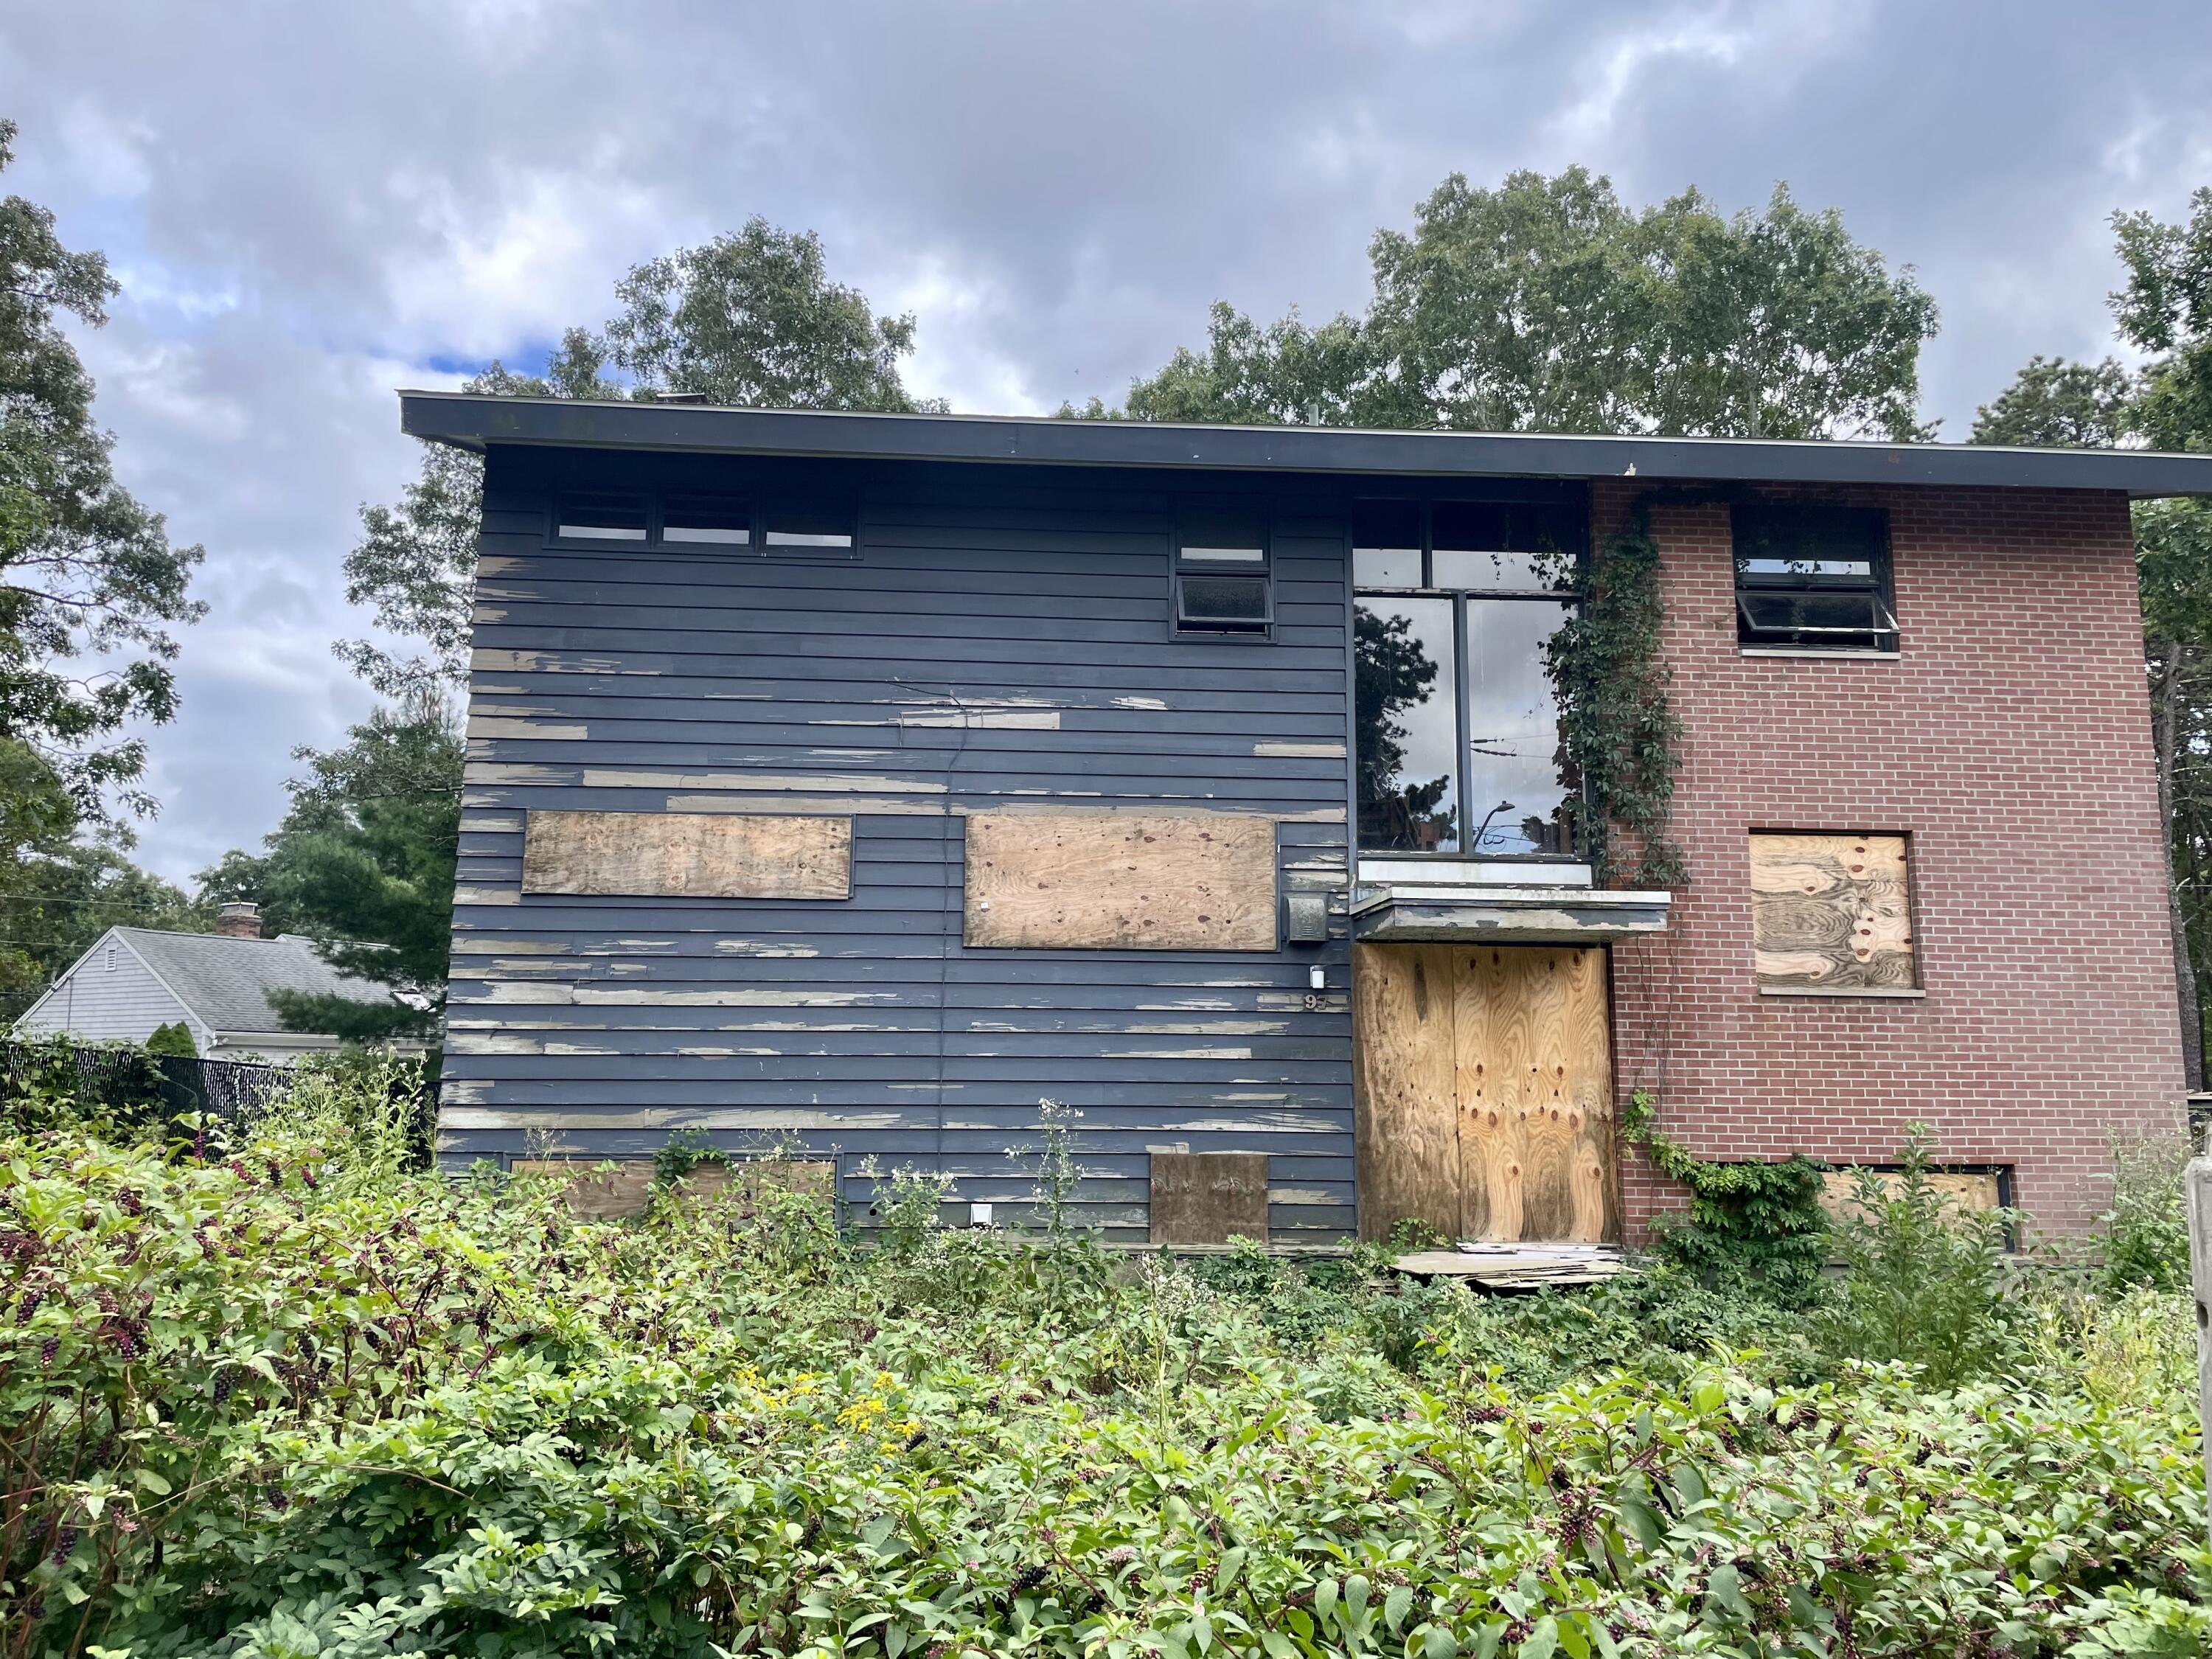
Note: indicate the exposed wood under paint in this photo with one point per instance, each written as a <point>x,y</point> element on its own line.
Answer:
<point>739,688</point>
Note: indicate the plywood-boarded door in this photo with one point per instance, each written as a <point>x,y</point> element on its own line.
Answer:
<point>1403,1100</point>
<point>1527,1089</point>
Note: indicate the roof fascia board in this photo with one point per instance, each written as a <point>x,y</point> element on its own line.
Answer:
<point>478,420</point>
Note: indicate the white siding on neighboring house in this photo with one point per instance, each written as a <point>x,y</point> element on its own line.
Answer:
<point>110,996</point>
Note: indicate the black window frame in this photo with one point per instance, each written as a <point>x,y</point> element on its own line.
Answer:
<point>761,505</point>
<point>1823,530</point>
<point>1181,567</point>
<point>559,512</point>
<point>1573,516</point>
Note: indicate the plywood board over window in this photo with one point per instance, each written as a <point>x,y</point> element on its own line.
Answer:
<point>1832,912</point>
<point>688,855</point>
<point>1968,1190</point>
<point>1121,881</point>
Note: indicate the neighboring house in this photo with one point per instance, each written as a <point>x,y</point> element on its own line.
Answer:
<point>135,979</point>
<point>867,778</point>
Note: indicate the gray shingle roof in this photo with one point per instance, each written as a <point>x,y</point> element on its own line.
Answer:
<point>226,981</point>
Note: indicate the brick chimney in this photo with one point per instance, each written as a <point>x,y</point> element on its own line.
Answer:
<point>239,919</point>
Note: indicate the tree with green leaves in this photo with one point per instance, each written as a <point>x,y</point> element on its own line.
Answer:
<point>89,584</point>
<point>1546,305</point>
<point>363,864</point>
<point>2165,313</point>
<point>89,589</point>
<point>2053,403</point>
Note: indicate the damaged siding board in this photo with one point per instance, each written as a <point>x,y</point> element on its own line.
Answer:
<point>1208,1198</point>
<point>1001,647</point>
<point>696,855</point>
<point>1112,881</point>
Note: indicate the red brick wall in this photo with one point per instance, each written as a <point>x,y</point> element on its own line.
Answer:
<point>2012,742</point>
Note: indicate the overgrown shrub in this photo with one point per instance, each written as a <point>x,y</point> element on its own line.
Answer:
<point>2145,1235</point>
<point>1924,1277</point>
<point>290,1405</point>
<point>1753,1229</point>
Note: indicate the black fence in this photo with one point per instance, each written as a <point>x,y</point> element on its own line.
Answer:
<point>206,1103</point>
<point>139,1090</point>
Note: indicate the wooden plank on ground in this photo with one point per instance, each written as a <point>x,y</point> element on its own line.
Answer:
<point>1832,912</point>
<point>688,855</point>
<point>1121,881</point>
<point>1405,1105</point>
<point>1209,1198</point>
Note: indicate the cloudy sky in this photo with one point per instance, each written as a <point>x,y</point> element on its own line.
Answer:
<point>310,205</point>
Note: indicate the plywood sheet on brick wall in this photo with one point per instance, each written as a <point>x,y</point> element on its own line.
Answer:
<point>1121,881</point>
<point>1832,912</point>
<point>1209,1198</point>
<point>1970,1190</point>
<point>688,855</point>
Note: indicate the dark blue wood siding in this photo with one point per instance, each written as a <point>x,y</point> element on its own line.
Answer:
<point>1004,640</point>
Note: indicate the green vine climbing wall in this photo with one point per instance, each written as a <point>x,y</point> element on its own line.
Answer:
<point>1618,730</point>
<point>1750,1225</point>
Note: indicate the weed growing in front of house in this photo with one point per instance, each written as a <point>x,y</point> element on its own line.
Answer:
<point>1053,1169</point>
<point>1924,1277</point>
<point>2145,1235</point>
<point>286,1403</point>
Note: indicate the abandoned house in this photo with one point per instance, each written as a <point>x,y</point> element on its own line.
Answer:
<point>866,779</point>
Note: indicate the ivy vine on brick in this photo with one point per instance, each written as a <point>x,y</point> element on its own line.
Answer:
<point>1617,732</point>
<point>1752,1226</point>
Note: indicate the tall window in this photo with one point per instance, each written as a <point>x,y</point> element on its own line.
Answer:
<point>1456,724</point>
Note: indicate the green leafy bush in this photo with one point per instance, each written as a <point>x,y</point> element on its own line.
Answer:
<point>306,1401</point>
<point>1752,1229</point>
<point>1924,1277</point>
<point>173,1039</point>
<point>2145,1235</point>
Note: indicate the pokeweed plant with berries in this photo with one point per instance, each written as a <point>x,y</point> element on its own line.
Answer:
<point>302,1401</point>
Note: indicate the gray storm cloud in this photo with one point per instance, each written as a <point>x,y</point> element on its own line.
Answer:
<point>312,205</point>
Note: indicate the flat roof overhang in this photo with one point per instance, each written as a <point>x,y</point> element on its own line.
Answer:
<point>477,420</point>
<point>1511,915</point>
